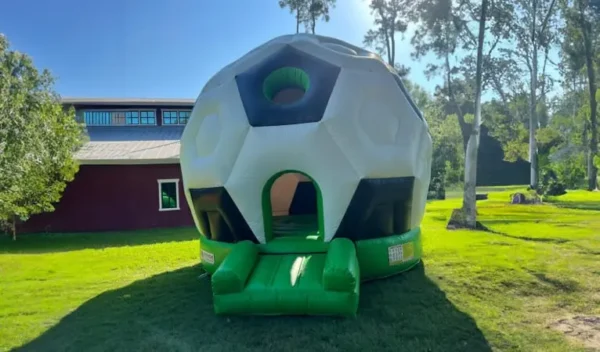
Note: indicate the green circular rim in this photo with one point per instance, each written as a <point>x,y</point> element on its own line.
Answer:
<point>284,78</point>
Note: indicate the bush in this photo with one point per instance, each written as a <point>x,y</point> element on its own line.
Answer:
<point>437,190</point>
<point>571,172</point>
<point>550,185</point>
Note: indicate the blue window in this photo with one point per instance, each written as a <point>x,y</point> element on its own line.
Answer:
<point>147,118</point>
<point>98,118</point>
<point>169,117</point>
<point>120,118</point>
<point>184,116</point>
<point>172,117</point>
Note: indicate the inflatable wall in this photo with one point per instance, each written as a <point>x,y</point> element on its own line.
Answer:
<point>305,141</point>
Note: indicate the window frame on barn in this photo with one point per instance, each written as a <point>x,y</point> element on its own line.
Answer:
<point>161,182</point>
<point>120,117</point>
<point>175,117</point>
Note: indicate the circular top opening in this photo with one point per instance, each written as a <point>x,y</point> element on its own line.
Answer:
<point>286,85</point>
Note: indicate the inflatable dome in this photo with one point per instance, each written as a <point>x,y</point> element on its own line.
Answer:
<point>306,166</point>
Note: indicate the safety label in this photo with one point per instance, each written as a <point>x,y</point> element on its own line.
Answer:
<point>208,257</point>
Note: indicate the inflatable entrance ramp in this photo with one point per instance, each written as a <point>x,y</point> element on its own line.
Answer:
<point>306,166</point>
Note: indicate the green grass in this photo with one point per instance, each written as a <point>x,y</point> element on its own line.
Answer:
<point>456,191</point>
<point>476,291</point>
<point>577,200</point>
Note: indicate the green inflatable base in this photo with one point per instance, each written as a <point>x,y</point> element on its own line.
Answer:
<point>302,277</point>
<point>386,256</point>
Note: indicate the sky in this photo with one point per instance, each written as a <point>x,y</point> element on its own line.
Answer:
<point>161,48</point>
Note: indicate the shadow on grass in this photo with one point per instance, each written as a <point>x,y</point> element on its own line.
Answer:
<point>486,228</point>
<point>173,312</point>
<point>64,242</point>
<point>586,251</point>
<point>530,239</point>
<point>577,206</point>
<point>574,204</point>
<point>561,285</point>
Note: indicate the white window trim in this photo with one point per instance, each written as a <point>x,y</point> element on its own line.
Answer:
<point>170,180</point>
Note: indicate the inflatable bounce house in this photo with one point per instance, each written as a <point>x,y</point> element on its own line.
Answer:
<point>306,166</point>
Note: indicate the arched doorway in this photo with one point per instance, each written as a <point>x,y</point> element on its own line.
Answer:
<point>292,206</point>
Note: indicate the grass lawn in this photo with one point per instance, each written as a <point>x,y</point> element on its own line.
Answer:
<point>475,291</point>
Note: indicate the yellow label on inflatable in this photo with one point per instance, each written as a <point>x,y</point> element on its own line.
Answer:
<point>401,253</point>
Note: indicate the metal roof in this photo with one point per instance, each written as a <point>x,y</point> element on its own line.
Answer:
<point>131,145</point>
<point>128,101</point>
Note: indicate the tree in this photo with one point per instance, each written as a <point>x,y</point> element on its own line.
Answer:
<point>562,144</point>
<point>390,18</point>
<point>318,9</point>
<point>37,139</point>
<point>581,50</point>
<point>298,8</point>
<point>531,33</point>
<point>448,157</point>
<point>308,12</point>
<point>506,122</point>
<point>469,199</point>
<point>438,33</point>
<point>446,29</point>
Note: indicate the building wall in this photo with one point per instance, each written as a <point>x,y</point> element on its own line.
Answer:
<point>493,170</point>
<point>113,197</point>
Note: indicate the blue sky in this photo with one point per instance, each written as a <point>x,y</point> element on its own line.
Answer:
<point>160,48</point>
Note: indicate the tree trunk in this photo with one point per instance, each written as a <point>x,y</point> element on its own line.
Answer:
<point>465,129</point>
<point>593,146</point>
<point>533,175</point>
<point>298,20</point>
<point>393,38</point>
<point>313,16</point>
<point>14,228</point>
<point>470,191</point>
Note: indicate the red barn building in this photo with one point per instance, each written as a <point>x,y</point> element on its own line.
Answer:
<point>129,176</point>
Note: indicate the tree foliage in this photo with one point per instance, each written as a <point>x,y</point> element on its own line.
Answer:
<point>296,7</point>
<point>37,139</point>
<point>309,12</point>
<point>580,50</point>
<point>540,109</point>
<point>318,10</point>
<point>390,18</point>
<point>448,156</point>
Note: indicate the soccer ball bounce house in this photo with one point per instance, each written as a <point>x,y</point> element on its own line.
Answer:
<point>306,167</point>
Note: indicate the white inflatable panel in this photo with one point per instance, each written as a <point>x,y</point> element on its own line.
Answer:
<point>379,131</point>
<point>369,129</point>
<point>375,126</point>
<point>212,139</point>
<point>214,135</point>
<point>307,148</point>
<point>343,60</point>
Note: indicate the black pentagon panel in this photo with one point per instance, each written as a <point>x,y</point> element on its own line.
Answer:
<point>291,70</point>
<point>408,97</point>
<point>379,207</point>
<point>218,216</point>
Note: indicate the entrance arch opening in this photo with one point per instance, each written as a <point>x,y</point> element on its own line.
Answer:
<point>292,207</point>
